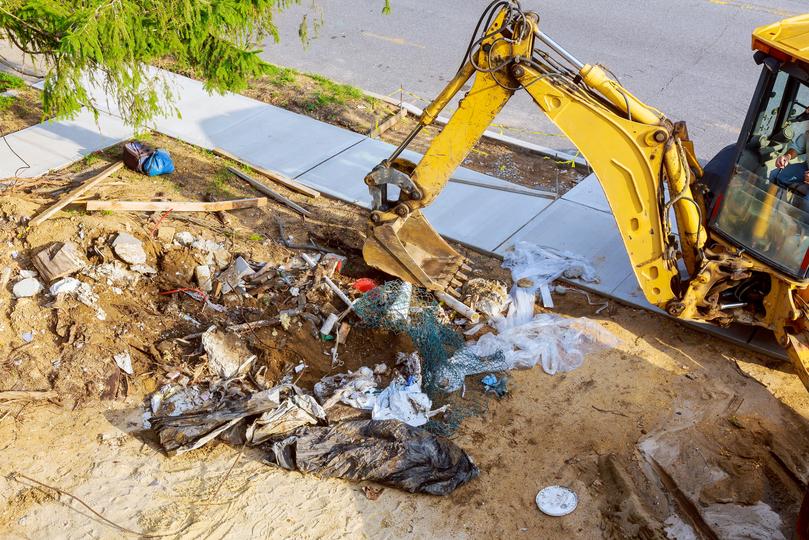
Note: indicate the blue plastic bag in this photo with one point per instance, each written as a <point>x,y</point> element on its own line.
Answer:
<point>158,163</point>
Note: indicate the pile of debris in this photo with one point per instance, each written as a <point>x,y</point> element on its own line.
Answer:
<point>297,431</point>
<point>206,326</point>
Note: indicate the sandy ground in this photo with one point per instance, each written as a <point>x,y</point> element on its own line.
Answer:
<point>598,429</point>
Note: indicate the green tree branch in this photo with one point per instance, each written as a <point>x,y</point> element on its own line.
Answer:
<point>111,44</point>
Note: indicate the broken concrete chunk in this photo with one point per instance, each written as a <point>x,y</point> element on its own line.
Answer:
<point>65,286</point>
<point>124,361</point>
<point>232,277</point>
<point>25,274</point>
<point>166,234</point>
<point>82,291</point>
<point>114,274</point>
<point>59,260</point>
<point>143,269</point>
<point>227,354</point>
<point>27,287</point>
<point>203,275</point>
<point>184,238</point>
<point>129,249</point>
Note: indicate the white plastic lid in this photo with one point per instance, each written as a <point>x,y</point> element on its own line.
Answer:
<point>557,500</point>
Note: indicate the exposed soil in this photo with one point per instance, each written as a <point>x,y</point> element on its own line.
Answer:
<point>671,432</point>
<point>719,439</point>
<point>24,109</point>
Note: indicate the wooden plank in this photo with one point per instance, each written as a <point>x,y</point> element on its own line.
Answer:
<point>276,176</point>
<point>389,123</point>
<point>176,206</point>
<point>270,193</point>
<point>27,395</point>
<point>76,193</point>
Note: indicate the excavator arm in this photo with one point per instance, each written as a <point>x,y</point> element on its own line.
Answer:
<point>644,162</point>
<point>630,146</point>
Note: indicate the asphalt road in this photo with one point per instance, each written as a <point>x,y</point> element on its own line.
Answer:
<point>689,58</point>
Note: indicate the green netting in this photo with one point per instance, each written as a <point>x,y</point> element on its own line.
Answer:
<point>399,307</point>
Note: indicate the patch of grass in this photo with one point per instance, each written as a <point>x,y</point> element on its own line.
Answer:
<point>336,92</point>
<point>143,136</point>
<point>332,93</point>
<point>8,81</point>
<point>107,212</point>
<point>255,237</point>
<point>6,102</point>
<point>219,183</point>
<point>280,76</point>
<point>91,159</point>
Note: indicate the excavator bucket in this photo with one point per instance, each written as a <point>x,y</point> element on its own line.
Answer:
<point>410,249</point>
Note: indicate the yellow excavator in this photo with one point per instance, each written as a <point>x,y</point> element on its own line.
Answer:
<point>738,250</point>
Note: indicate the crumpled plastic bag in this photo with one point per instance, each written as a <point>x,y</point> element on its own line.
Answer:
<point>191,426</point>
<point>537,265</point>
<point>294,412</point>
<point>158,163</point>
<point>403,401</point>
<point>389,452</point>
<point>558,343</point>
<point>356,389</point>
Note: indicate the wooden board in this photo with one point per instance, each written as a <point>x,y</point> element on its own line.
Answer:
<point>76,193</point>
<point>387,124</point>
<point>26,395</point>
<point>176,206</point>
<point>272,175</point>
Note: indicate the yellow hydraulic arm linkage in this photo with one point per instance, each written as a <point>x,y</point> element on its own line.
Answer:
<point>644,162</point>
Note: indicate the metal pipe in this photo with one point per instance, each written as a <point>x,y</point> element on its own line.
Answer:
<point>732,305</point>
<point>558,49</point>
<point>405,143</point>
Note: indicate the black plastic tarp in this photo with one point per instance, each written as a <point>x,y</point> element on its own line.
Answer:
<point>387,451</point>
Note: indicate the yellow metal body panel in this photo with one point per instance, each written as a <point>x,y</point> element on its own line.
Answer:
<point>790,36</point>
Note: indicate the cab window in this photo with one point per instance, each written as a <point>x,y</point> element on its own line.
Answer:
<point>765,207</point>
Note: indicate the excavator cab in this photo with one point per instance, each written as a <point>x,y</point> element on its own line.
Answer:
<point>763,206</point>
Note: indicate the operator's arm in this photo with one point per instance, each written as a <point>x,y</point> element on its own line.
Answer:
<point>794,149</point>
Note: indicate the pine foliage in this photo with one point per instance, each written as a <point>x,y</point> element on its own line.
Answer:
<point>111,44</point>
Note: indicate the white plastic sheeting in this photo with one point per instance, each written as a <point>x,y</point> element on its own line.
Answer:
<point>558,343</point>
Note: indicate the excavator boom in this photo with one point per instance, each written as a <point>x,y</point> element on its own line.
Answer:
<point>644,162</point>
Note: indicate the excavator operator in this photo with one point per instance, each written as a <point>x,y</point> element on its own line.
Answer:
<point>790,175</point>
<point>794,176</point>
